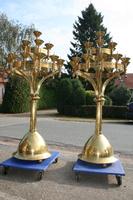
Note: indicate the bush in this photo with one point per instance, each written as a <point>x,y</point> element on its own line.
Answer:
<point>90,96</point>
<point>108,101</point>
<point>120,95</point>
<point>70,92</point>
<point>76,83</point>
<point>78,97</point>
<point>47,99</point>
<point>114,112</point>
<point>16,97</point>
<point>64,93</point>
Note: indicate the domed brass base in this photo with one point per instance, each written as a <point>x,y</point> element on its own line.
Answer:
<point>32,147</point>
<point>98,150</point>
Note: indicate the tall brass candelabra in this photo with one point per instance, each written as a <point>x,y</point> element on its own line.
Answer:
<point>36,65</point>
<point>99,66</point>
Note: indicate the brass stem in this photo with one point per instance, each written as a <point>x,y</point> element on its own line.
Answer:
<point>33,113</point>
<point>99,103</point>
<point>98,126</point>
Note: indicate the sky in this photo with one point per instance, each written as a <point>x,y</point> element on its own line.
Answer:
<point>55,19</point>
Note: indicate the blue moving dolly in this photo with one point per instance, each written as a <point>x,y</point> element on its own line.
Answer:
<point>115,168</point>
<point>30,165</point>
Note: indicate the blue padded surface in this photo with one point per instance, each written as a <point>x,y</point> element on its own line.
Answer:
<point>31,165</point>
<point>85,167</point>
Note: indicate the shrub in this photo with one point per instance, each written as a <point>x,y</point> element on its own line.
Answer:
<point>76,83</point>
<point>64,93</point>
<point>114,112</point>
<point>70,92</point>
<point>120,95</point>
<point>90,96</point>
<point>78,96</point>
<point>108,101</point>
<point>16,97</point>
<point>78,93</point>
<point>47,99</point>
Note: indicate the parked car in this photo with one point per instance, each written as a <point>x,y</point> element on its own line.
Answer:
<point>129,114</point>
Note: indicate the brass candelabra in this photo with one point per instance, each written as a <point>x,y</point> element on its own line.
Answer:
<point>99,65</point>
<point>35,65</point>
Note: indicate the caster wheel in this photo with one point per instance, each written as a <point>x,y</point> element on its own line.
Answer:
<point>119,180</point>
<point>40,175</point>
<point>77,177</point>
<point>56,160</point>
<point>5,170</point>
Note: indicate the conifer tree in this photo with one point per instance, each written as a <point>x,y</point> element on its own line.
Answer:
<point>85,28</point>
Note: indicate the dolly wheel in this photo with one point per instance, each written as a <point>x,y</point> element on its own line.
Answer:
<point>119,180</point>
<point>40,175</point>
<point>55,161</point>
<point>5,170</point>
<point>77,177</point>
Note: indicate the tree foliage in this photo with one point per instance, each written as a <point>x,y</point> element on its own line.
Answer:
<point>120,95</point>
<point>11,35</point>
<point>16,97</point>
<point>64,91</point>
<point>70,92</point>
<point>48,96</point>
<point>84,29</point>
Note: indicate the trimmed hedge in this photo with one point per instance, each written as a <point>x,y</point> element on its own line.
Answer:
<point>120,95</point>
<point>16,97</point>
<point>115,112</point>
<point>90,98</point>
<point>48,98</point>
<point>70,92</point>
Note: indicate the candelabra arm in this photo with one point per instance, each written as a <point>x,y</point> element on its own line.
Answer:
<point>22,74</point>
<point>34,99</point>
<point>99,100</point>
<point>117,74</point>
<point>87,77</point>
<point>44,79</point>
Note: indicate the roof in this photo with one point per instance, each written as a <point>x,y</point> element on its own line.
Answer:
<point>3,80</point>
<point>128,80</point>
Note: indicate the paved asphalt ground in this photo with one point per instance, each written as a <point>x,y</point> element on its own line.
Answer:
<point>66,135</point>
<point>68,131</point>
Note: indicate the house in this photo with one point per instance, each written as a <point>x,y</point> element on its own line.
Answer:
<point>128,81</point>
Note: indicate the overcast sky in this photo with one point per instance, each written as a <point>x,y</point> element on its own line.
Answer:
<point>55,18</point>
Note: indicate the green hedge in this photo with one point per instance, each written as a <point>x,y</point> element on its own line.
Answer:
<point>90,98</point>
<point>120,95</point>
<point>16,97</point>
<point>70,92</point>
<point>47,99</point>
<point>115,112</point>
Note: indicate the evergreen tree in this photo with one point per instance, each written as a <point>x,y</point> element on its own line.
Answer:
<point>85,28</point>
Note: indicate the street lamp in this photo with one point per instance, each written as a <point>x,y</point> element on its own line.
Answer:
<point>35,65</point>
<point>99,65</point>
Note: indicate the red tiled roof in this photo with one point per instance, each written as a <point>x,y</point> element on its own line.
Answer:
<point>128,80</point>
